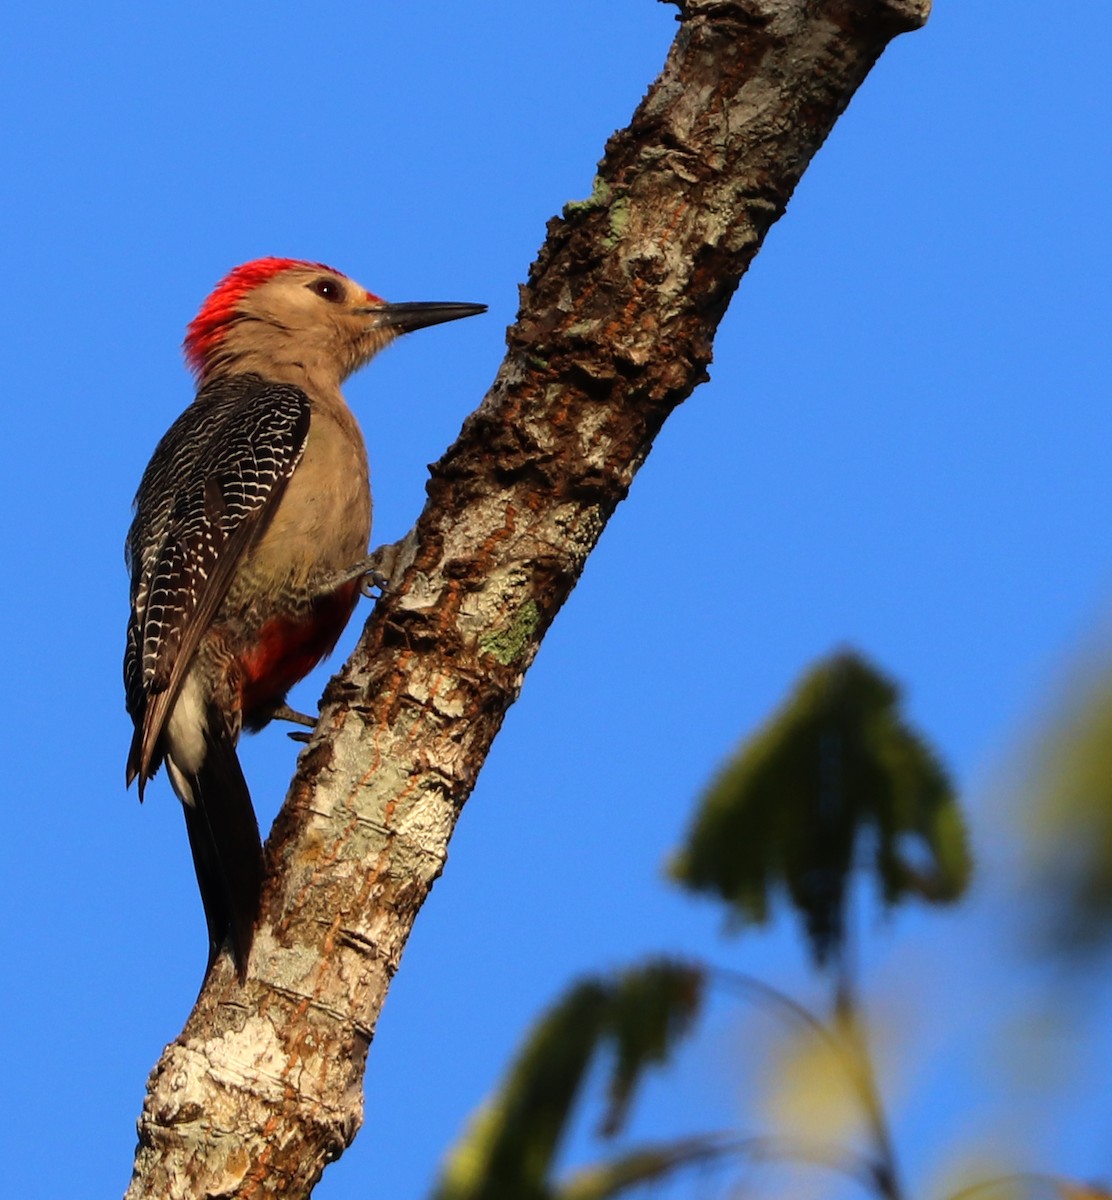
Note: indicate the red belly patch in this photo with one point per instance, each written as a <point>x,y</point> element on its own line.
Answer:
<point>289,647</point>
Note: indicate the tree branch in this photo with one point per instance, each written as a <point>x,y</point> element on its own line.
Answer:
<point>264,1085</point>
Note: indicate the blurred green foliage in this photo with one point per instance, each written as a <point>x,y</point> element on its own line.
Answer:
<point>835,782</point>
<point>1070,824</point>
<point>835,775</point>
<point>509,1149</point>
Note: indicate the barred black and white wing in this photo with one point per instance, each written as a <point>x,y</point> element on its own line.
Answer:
<point>205,499</point>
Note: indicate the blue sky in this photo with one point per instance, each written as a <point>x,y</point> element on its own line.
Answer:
<point>904,447</point>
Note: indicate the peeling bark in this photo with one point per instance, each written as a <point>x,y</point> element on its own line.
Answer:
<point>264,1086</point>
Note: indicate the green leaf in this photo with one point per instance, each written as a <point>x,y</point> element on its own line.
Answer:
<point>837,769</point>
<point>509,1147</point>
<point>1070,824</point>
<point>649,1164</point>
<point>652,1008</point>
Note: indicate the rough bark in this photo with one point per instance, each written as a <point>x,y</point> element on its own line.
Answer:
<point>264,1085</point>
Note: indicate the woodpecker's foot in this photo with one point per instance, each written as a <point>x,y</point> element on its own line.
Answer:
<point>372,572</point>
<point>381,567</point>
<point>371,580</point>
<point>284,713</point>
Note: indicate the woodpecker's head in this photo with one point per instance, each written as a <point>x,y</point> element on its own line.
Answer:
<point>287,319</point>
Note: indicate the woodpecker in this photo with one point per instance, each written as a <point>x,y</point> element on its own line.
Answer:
<point>248,548</point>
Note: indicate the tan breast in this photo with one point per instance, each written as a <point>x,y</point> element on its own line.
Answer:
<point>323,521</point>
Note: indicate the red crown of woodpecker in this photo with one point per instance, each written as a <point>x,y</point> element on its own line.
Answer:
<point>207,328</point>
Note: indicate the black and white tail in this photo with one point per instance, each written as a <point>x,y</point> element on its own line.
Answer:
<point>224,838</point>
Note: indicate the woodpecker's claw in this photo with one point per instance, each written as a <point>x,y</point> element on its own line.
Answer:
<point>379,569</point>
<point>284,713</point>
<point>367,571</point>
<point>374,579</point>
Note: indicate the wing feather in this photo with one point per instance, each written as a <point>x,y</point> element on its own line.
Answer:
<point>206,498</point>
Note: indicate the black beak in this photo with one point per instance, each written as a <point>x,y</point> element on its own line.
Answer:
<point>404,318</point>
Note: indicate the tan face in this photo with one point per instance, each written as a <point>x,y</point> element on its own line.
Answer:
<point>318,317</point>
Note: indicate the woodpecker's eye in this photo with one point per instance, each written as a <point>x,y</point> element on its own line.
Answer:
<point>328,289</point>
